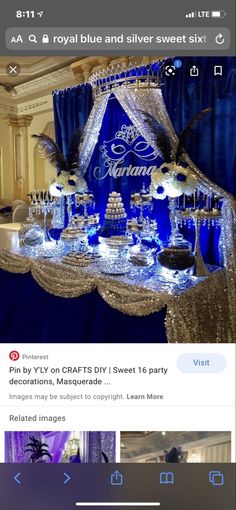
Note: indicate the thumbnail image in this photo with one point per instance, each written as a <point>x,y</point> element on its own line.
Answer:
<point>175,447</point>
<point>60,447</point>
<point>117,199</point>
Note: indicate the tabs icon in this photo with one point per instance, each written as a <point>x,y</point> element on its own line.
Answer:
<point>216,478</point>
<point>167,478</point>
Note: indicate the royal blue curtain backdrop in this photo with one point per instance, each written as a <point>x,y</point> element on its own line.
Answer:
<point>72,107</point>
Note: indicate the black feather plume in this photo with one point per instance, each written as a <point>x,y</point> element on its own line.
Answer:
<point>186,131</point>
<point>105,457</point>
<point>72,156</point>
<point>52,152</point>
<point>162,139</point>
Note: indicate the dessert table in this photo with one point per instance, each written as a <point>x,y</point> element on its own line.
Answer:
<point>49,300</point>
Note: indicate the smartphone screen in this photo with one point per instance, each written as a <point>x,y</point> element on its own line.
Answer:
<point>117,255</point>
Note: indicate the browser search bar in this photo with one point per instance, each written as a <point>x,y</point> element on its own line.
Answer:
<point>122,39</point>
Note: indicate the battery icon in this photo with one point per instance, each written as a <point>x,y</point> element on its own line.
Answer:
<point>218,14</point>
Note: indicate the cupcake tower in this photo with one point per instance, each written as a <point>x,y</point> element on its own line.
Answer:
<point>115,216</point>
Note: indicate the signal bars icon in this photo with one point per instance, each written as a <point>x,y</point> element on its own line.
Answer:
<point>191,15</point>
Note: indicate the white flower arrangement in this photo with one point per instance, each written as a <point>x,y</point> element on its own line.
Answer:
<point>64,184</point>
<point>172,180</point>
<point>158,192</point>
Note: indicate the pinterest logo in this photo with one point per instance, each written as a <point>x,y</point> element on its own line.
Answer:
<point>14,355</point>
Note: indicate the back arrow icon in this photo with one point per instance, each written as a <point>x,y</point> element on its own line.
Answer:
<point>16,478</point>
<point>67,478</point>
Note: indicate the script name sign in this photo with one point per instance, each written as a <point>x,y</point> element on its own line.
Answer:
<point>128,141</point>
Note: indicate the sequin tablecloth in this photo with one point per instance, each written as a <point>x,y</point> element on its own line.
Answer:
<point>197,310</point>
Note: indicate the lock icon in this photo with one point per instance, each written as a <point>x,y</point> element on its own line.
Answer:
<point>45,39</point>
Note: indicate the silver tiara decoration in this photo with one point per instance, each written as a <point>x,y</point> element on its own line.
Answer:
<point>119,74</point>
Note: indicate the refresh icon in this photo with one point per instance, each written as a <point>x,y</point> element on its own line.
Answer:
<point>219,39</point>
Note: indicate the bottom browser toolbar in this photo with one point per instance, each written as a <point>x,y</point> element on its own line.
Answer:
<point>71,486</point>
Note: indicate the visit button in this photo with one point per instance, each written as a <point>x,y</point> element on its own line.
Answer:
<point>201,363</point>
